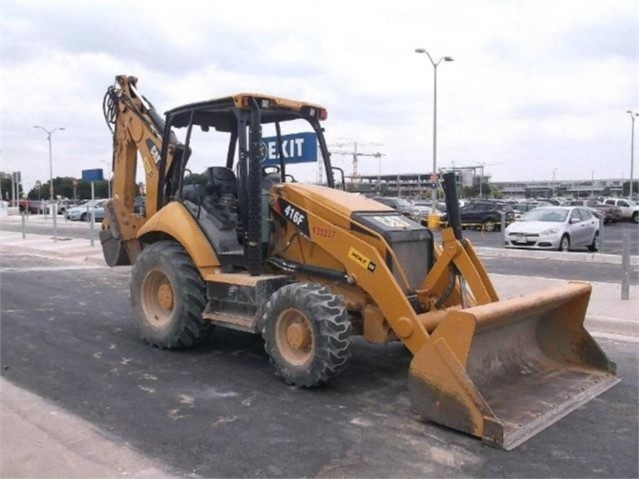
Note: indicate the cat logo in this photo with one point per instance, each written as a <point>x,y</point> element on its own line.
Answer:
<point>361,260</point>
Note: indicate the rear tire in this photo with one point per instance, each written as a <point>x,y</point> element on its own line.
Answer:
<point>564,244</point>
<point>635,217</point>
<point>168,297</point>
<point>307,334</point>
<point>594,246</point>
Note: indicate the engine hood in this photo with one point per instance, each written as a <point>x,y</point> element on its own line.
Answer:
<point>341,201</point>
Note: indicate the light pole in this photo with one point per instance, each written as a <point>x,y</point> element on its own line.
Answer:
<point>632,151</point>
<point>435,65</point>
<point>554,171</point>
<point>49,133</point>
<point>109,180</point>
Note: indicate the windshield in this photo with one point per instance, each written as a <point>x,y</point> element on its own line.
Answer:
<point>554,215</point>
<point>402,202</point>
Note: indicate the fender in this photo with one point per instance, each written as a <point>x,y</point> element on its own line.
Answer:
<point>174,220</point>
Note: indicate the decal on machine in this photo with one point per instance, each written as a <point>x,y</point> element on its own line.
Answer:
<point>393,221</point>
<point>361,260</point>
<point>295,215</point>
<point>155,153</point>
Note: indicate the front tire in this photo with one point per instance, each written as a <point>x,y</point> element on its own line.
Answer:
<point>564,244</point>
<point>168,297</point>
<point>490,226</point>
<point>594,246</point>
<point>635,217</point>
<point>307,334</point>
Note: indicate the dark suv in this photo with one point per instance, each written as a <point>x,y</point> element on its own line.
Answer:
<point>485,215</point>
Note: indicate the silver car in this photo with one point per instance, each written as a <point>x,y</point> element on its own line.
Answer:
<point>83,212</point>
<point>554,227</point>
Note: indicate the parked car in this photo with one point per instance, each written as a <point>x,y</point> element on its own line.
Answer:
<point>484,214</point>
<point>610,213</point>
<point>421,209</point>
<point>560,228</point>
<point>629,209</point>
<point>402,205</point>
<point>520,208</point>
<point>139,206</point>
<point>83,211</point>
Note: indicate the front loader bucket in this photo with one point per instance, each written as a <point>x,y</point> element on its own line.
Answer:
<point>504,371</point>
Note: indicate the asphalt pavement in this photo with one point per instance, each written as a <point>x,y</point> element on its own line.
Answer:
<point>218,410</point>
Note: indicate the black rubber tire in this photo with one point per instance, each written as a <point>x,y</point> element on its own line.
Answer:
<point>330,329</point>
<point>594,246</point>
<point>564,244</point>
<point>185,326</point>
<point>490,226</point>
<point>635,217</point>
<point>84,216</point>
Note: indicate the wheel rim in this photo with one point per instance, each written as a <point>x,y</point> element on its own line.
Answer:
<point>489,226</point>
<point>157,298</point>
<point>564,244</point>
<point>596,242</point>
<point>294,336</point>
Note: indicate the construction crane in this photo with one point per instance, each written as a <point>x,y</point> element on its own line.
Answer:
<point>355,177</point>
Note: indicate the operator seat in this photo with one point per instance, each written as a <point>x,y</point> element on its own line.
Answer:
<point>221,181</point>
<point>220,196</point>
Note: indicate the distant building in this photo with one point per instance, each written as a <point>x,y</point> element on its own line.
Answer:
<point>414,185</point>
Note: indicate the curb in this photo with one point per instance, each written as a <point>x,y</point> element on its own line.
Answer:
<point>553,255</point>
<point>623,327</point>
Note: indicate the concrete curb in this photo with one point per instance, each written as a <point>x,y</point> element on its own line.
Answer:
<point>553,255</point>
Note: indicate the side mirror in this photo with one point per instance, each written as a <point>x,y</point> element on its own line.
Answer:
<point>574,220</point>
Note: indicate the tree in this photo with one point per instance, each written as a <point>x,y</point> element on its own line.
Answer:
<point>63,187</point>
<point>6,187</point>
<point>496,194</point>
<point>466,192</point>
<point>625,188</point>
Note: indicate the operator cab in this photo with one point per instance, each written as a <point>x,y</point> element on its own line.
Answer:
<point>260,141</point>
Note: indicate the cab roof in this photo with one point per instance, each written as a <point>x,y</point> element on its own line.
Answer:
<point>219,113</point>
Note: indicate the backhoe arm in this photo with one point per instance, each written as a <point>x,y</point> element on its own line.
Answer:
<point>136,127</point>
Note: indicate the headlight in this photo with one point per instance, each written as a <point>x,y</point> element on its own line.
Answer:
<point>548,232</point>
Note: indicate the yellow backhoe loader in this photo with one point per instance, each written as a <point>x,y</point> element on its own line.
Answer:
<point>309,266</point>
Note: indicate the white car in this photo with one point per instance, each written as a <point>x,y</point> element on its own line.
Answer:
<point>83,212</point>
<point>629,209</point>
<point>554,228</point>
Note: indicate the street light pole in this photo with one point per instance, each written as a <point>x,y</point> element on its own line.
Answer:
<point>435,65</point>
<point>49,133</point>
<point>109,180</point>
<point>632,151</point>
<point>554,171</point>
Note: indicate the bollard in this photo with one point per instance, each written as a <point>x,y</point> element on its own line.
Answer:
<point>54,212</point>
<point>503,229</point>
<point>625,267</point>
<point>92,211</point>
<point>92,225</point>
<point>24,226</point>
<point>601,231</point>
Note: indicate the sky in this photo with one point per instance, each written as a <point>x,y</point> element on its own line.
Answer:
<point>536,88</point>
